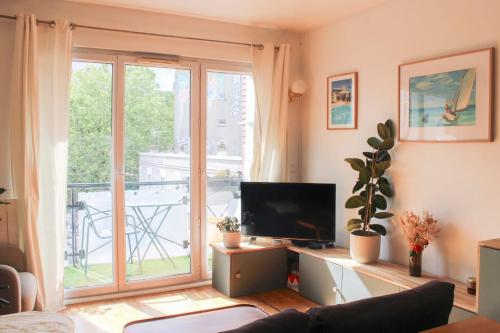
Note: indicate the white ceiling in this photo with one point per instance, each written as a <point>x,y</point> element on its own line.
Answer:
<point>292,15</point>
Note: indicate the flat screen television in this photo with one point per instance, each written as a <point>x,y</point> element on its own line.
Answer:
<point>297,211</point>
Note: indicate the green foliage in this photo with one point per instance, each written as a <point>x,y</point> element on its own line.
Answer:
<point>229,224</point>
<point>378,228</point>
<point>372,186</point>
<point>355,201</point>
<point>148,110</point>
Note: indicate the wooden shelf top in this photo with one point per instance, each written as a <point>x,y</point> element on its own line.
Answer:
<point>390,272</point>
<point>246,247</point>
<point>492,243</point>
<point>387,271</point>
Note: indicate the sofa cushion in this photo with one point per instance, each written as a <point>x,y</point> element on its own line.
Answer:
<point>287,321</point>
<point>414,310</point>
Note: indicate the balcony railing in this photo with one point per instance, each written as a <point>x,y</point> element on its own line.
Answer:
<point>74,253</point>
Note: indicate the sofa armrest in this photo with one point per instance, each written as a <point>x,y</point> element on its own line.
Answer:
<point>10,277</point>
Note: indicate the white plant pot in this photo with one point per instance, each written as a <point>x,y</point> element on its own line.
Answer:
<point>365,248</point>
<point>231,239</point>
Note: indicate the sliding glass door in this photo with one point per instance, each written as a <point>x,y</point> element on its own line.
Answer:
<point>158,172</point>
<point>156,156</point>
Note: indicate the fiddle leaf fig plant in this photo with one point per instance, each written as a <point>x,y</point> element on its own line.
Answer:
<point>372,188</point>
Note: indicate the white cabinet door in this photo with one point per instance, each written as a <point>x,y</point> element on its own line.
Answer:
<point>489,288</point>
<point>356,286</point>
<point>319,280</point>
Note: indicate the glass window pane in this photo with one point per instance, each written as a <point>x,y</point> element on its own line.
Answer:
<point>230,115</point>
<point>89,223</point>
<point>158,169</point>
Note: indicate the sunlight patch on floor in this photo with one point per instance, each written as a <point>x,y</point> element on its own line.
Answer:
<point>166,306</point>
<point>120,312</point>
<point>93,319</point>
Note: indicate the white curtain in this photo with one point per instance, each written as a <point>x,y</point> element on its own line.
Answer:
<point>24,119</point>
<point>271,79</point>
<point>39,117</point>
<point>54,53</point>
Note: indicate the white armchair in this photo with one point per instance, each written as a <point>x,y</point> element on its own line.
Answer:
<point>19,288</point>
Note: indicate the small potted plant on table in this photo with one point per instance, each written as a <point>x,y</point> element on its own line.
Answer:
<point>230,228</point>
<point>370,191</point>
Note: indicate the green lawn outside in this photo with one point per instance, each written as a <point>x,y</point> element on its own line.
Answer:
<point>74,277</point>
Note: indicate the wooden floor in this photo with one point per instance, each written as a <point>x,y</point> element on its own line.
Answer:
<point>110,316</point>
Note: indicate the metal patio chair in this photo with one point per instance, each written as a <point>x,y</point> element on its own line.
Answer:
<point>93,217</point>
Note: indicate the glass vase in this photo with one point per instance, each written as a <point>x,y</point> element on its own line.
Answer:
<point>415,266</point>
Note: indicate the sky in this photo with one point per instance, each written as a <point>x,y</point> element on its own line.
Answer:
<point>342,83</point>
<point>437,89</point>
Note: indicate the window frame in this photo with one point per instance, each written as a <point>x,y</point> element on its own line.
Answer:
<point>198,219</point>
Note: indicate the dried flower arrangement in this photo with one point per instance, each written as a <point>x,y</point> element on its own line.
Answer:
<point>420,232</point>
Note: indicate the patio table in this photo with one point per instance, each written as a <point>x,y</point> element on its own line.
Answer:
<point>160,210</point>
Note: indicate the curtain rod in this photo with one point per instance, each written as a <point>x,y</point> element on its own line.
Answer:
<point>75,25</point>
<point>49,23</point>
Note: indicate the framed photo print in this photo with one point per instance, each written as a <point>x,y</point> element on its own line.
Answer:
<point>342,106</point>
<point>447,99</point>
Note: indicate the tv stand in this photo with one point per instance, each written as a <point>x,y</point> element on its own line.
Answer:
<point>330,276</point>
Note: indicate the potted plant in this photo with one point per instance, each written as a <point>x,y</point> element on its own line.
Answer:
<point>370,191</point>
<point>230,228</point>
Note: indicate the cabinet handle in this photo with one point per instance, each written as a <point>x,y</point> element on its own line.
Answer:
<point>237,275</point>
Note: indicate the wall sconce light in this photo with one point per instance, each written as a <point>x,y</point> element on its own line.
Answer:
<point>297,89</point>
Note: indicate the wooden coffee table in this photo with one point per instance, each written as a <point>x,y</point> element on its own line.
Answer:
<point>207,321</point>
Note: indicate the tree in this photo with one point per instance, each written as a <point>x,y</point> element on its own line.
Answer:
<point>149,121</point>
<point>149,117</point>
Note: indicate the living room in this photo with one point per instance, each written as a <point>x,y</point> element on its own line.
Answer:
<point>134,132</point>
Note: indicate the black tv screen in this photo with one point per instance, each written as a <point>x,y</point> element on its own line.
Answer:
<point>288,210</point>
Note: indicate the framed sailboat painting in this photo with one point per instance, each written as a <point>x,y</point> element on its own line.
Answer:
<point>447,99</point>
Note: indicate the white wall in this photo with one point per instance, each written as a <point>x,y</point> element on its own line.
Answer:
<point>459,182</point>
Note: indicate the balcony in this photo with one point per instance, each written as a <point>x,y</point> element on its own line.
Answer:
<point>157,216</point>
